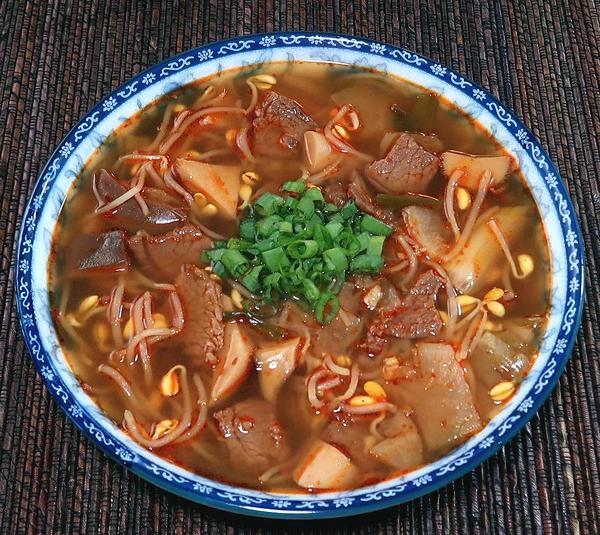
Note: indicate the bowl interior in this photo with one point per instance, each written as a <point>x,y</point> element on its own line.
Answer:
<point>62,169</point>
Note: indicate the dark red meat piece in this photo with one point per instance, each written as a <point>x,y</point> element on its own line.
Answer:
<point>129,216</point>
<point>160,257</point>
<point>254,437</point>
<point>407,168</point>
<point>200,296</point>
<point>414,317</point>
<point>91,252</point>
<point>279,125</point>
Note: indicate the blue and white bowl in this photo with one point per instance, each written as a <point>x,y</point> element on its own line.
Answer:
<point>564,238</point>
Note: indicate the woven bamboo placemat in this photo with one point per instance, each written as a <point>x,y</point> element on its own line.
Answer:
<point>58,58</point>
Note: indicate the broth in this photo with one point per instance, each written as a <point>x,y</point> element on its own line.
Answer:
<point>203,368</point>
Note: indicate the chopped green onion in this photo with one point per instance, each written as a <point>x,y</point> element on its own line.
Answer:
<point>235,262</point>
<point>299,247</point>
<point>375,245</point>
<point>307,206</point>
<point>314,194</point>
<point>275,259</point>
<point>268,204</point>
<point>336,259</point>
<point>250,279</point>
<point>334,228</point>
<point>366,264</point>
<point>327,308</point>
<point>248,229</point>
<point>311,292</point>
<point>294,186</point>
<point>303,249</point>
<point>368,223</point>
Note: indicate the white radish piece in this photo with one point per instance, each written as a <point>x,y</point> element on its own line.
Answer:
<point>220,184</point>
<point>481,260</point>
<point>235,359</point>
<point>275,362</point>
<point>427,227</point>
<point>474,166</point>
<point>403,449</point>
<point>318,153</point>
<point>325,467</point>
<point>445,412</point>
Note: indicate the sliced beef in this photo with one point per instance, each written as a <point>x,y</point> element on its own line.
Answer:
<point>415,316</point>
<point>407,168</point>
<point>279,126</point>
<point>161,217</point>
<point>254,437</point>
<point>365,202</point>
<point>349,437</point>
<point>203,329</point>
<point>98,252</point>
<point>160,257</point>
<point>335,192</point>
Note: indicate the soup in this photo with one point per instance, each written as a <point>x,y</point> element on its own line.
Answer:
<point>300,277</point>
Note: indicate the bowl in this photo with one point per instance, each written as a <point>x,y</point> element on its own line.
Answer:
<point>549,192</point>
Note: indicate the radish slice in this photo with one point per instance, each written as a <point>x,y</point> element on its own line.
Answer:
<point>275,363</point>
<point>220,184</point>
<point>474,166</point>
<point>325,467</point>
<point>234,363</point>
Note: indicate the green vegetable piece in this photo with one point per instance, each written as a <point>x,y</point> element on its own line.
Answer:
<point>302,249</point>
<point>410,199</point>
<point>310,291</point>
<point>365,263</point>
<point>335,259</point>
<point>327,308</point>
<point>368,223</point>
<point>235,262</point>
<point>248,229</point>
<point>334,228</point>
<point>250,279</point>
<point>375,245</point>
<point>268,204</point>
<point>275,259</point>
<point>294,186</point>
<point>306,206</point>
<point>314,194</point>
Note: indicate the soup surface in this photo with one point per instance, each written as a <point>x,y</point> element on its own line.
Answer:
<point>300,277</point>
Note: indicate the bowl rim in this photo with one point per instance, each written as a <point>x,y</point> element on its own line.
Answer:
<point>324,505</point>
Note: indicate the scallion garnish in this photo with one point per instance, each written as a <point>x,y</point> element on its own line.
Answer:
<point>297,246</point>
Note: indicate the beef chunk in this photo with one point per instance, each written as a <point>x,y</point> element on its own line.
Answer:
<point>106,252</point>
<point>414,317</point>
<point>129,215</point>
<point>201,299</point>
<point>254,437</point>
<point>407,168</point>
<point>160,257</point>
<point>279,126</point>
<point>335,192</point>
<point>365,202</point>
